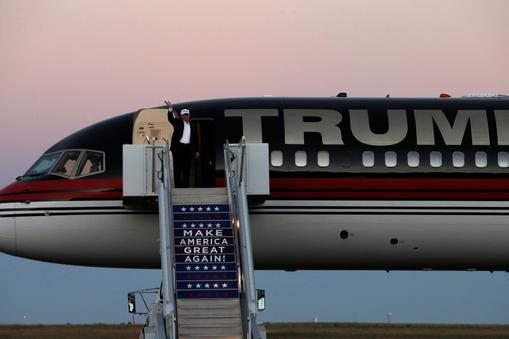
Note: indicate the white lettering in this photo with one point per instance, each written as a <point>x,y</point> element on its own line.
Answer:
<point>502,119</point>
<point>203,241</point>
<point>203,233</point>
<point>251,121</point>
<point>205,258</point>
<point>452,134</point>
<point>326,126</point>
<point>396,132</point>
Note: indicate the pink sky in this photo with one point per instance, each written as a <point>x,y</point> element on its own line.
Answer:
<point>66,64</point>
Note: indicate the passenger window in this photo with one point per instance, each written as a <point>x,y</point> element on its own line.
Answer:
<point>91,163</point>
<point>368,159</point>
<point>66,163</point>
<point>323,159</point>
<point>413,159</point>
<point>481,159</point>
<point>301,158</point>
<point>435,159</point>
<point>391,159</point>
<point>276,158</point>
<point>503,159</point>
<point>458,159</point>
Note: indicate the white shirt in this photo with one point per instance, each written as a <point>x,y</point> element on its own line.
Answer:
<point>186,135</point>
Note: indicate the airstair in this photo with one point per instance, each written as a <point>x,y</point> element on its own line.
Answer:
<point>207,288</point>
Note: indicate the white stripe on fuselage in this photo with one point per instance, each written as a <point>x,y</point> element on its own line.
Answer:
<point>287,234</point>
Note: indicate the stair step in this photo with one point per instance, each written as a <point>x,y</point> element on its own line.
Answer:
<point>210,336</point>
<point>212,326</point>
<point>212,195</point>
<point>208,302</point>
<point>210,331</point>
<point>209,318</point>
<point>209,313</point>
<point>209,321</point>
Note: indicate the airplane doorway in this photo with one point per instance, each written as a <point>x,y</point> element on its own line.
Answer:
<point>151,124</point>
<point>203,169</point>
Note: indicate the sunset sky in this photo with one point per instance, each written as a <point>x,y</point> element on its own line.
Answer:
<point>67,64</point>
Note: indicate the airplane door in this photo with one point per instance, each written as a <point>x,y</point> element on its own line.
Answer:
<point>152,123</point>
<point>203,169</point>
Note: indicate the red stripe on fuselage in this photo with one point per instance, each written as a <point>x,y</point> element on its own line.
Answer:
<point>63,189</point>
<point>389,188</point>
<point>286,188</point>
<point>391,184</point>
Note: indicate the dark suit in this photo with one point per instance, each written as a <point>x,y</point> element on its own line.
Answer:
<point>182,153</point>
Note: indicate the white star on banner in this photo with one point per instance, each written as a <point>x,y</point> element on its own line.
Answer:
<point>201,225</point>
<point>223,267</point>
<point>191,209</point>
<point>200,208</point>
<point>188,268</point>
<point>183,209</point>
<point>208,208</point>
<point>216,208</point>
<point>214,267</point>
<point>209,225</point>
<point>206,268</point>
<point>218,225</point>
<point>216,285</point>
<point>196,268</point>
<point>207,285</point>
<point>225,285</point>
<point>184,225</point>
<point>199,285</point>
<point>189,285</point>
<point>193,225</point>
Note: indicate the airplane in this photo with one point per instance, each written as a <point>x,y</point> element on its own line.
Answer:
<point>355,183</point>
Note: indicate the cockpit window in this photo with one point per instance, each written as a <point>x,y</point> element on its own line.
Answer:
<point>91,163</point>
<point>66,163</point>
<point>43,165</point>
<point>73,163</point>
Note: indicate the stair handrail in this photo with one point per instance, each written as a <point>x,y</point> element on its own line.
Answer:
<point>237,194</point>
<point>167,242</point>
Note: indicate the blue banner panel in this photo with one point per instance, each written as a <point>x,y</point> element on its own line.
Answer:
<point>199,224</point>
<point>202,216</point>
<point>199,241</point>
<point>212,233</point>
<point>210,294</point>
<point>204,258</point>
<point>205,250</point>
<point>207,285</point>
<point>207,276</point>
<point>222,267</point>
<point>201,208</point>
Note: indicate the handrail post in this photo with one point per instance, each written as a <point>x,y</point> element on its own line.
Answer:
<point>237,193</point>
<point>166,242</point>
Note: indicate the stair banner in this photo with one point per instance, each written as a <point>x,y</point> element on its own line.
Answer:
<point>206,263</point>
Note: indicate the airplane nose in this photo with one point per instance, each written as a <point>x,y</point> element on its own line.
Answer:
<point>7,235</point>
